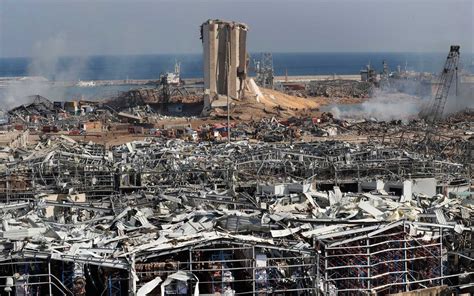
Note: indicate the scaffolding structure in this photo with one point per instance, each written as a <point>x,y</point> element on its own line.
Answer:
<point>235,268</point>
<point>385,261</point>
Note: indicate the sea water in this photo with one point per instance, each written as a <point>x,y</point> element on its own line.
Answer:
<point>151,66</point>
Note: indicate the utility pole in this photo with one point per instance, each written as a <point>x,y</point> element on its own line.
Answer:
<point>228,117</point>
<point>229,49</point>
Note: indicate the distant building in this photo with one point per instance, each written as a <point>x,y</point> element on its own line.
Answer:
<point>368,74</point>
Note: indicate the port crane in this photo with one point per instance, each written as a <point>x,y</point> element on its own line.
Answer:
<point>435,110</point>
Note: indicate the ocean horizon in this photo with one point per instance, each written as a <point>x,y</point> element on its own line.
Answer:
<point>113,67</point>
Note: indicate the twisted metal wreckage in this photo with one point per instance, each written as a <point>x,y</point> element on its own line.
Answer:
<point>172,217</point>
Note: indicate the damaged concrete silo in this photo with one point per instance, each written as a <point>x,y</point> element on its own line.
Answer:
<point>225,59</point>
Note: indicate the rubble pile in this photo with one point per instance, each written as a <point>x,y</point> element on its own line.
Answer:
<point>39,110</point>
<point>152,97</point>
<point>449,141</point>
<point>243,217</point>
<point>45,116</point>
<point>339,89</point>
<point>61,163</point>
<point>301,205</point>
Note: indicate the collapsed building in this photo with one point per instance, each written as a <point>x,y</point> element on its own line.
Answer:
<point>39,110</point>
<point>387,214</point>
<point>167,217</point>
<point>168,99</point>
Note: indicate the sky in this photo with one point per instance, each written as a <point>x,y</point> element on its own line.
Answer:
<point>118,27</point>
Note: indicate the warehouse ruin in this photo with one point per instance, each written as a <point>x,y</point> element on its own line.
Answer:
<point>192,218</point>
<point>116,198</point>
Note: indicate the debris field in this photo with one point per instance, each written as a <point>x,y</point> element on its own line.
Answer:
<point>249,217</point>
<point>281,199</point>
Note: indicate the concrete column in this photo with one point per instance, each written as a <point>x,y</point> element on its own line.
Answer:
<point>223,35</point>
<point>242,59</point>
<point>407,190</point>
<point>213,29</point>
<point>132,279</point>
<point>209,40</point>
<point>234,63</point>
<point>210,57</point>
<point>206,55</point>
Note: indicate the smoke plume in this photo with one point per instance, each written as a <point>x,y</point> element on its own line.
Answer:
<point>383,106</point>
<point>386,106</point>
<point>45,68</point>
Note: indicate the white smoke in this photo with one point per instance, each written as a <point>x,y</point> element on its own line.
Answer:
<point>16,92</point>
<point>46,56</point>
<point>46,60</point>
<point>383,106</point>
<point>464,100</point>
<point>45,63</point>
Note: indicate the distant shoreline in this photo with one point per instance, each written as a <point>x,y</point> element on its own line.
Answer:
<point>188,81</point>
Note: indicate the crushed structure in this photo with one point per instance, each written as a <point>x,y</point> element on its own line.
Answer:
<point>340,88</point>
<point>165,217</point>
<point>293,204</point>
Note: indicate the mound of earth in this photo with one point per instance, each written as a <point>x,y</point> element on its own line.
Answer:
<point>270,103</point>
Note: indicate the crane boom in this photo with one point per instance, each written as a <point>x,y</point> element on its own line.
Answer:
<point>436,107</point>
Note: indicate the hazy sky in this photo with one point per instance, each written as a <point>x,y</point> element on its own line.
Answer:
<point>87,27</point>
